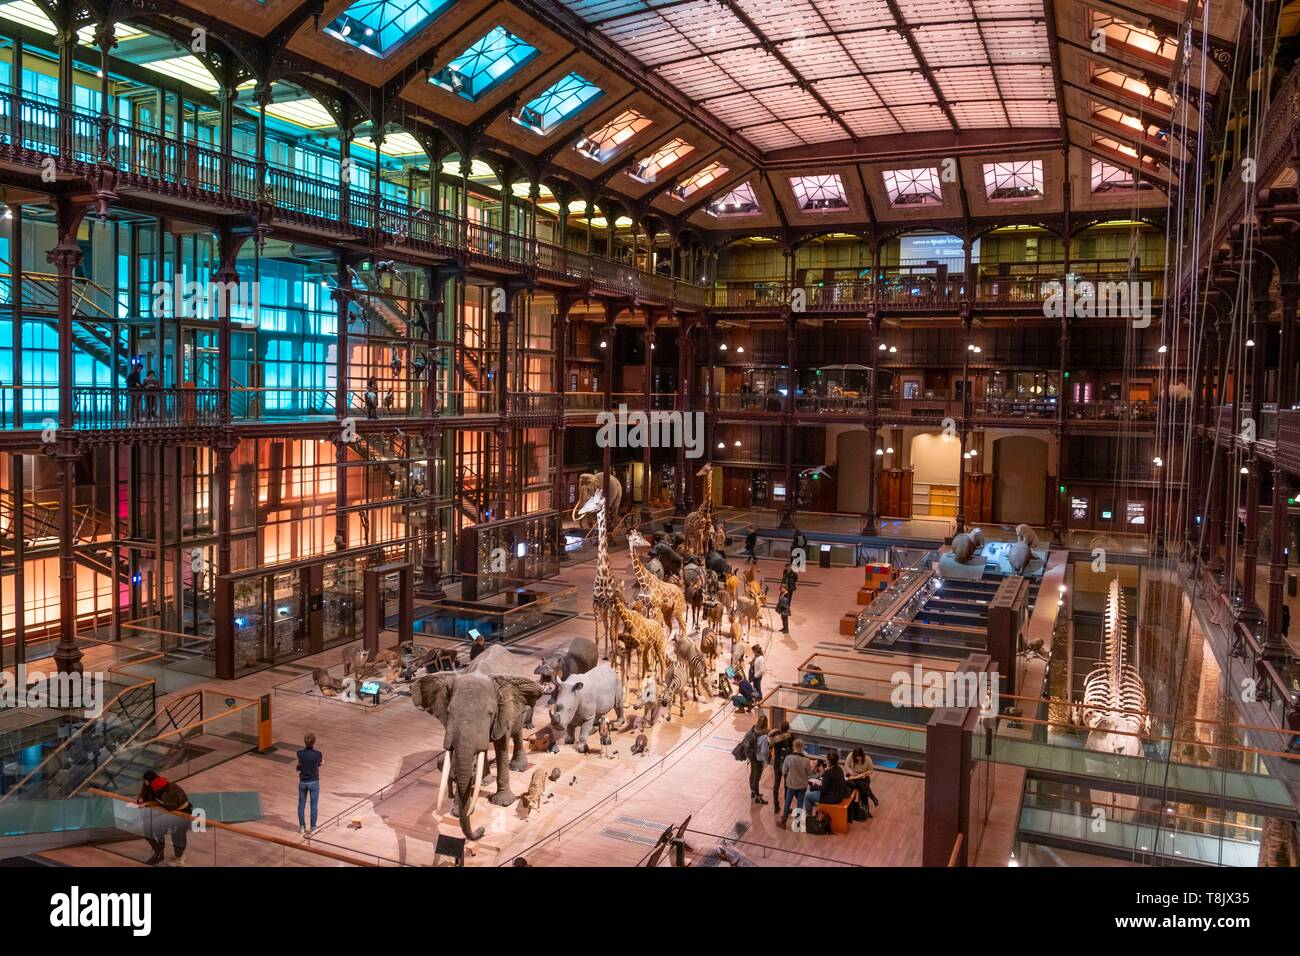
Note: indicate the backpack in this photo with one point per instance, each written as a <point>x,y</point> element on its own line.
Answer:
<point>764,749</point>
<point>818,824</point>
<point>741,750</point>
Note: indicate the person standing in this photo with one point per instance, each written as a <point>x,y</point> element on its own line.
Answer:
<point>171,800</point>
<point>755,743</point>
<point>797,770</point>
<point>783,609</point>
<point>751,542</point>
<point>757,668</point>
<point>799,545</point>
<point>309,761</point>
<point>780,745</point>
<point>134,382</point>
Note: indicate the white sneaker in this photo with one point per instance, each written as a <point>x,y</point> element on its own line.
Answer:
<point>179,861</point>
<point>302,831</point>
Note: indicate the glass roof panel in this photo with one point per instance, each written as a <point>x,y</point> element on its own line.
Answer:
<point>559,101</point>
<point>819,193</point>
<point>488,63</point>
<point>741,201</point>
<point>381,26</point>
<point>1107,178</point>
<point>913,187</point>
<point>605,142</point>
<point>1128,37</point>
<point>647,170</point>
<point>698,180</point>
<point>860,55</point>
<point>1021,179</point>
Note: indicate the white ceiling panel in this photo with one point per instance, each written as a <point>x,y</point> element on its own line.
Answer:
<point>848,93</point>
<point>699,79</point>
<point>816,129</point>
<point>817,58</point>
<point>980,115</point>
<point>855,14</point>
<point>739,109</point>
<point>1033,113</point>
<point>872,122</point>
<point>1017,42</point>
<point>903,88</point>
<point>709,26</point>
<point>1026,82</point>
<point>772,136</point>
<point>921,118</point>
<point>650,39</point>
<point>951,44</point>
<point>879,51</point>
<point>784,19</point>
<point>973,83</point>
<point>754,67</point>
<point>934,11</point>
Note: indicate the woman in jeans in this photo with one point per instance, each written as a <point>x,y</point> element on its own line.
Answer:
<point>309,761</point>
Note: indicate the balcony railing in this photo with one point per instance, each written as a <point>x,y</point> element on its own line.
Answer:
<point>1014,408</point>
<point>533,403</point>
<point>144,408</point>
<point>1114,411</point>
<point>834,405</point>
<point>924,408</point>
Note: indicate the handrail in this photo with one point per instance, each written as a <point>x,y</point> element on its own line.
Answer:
<point>956,849</point>
<point>58,751</point>
<point>240,831</point>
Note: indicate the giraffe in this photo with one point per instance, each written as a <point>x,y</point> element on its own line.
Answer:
<point>698,529</point>
<point>645,635</point>
<point>604,586</point>
<point>664,595</point>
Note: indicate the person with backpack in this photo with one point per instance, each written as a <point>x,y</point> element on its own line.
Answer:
<point>170,799</point>
<point>757,753</point>
<point>780,744</point>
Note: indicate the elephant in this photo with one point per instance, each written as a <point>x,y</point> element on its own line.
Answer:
<point>580,657</point>
<point>478,709</point>
<point>591,482</point>
<point>584,699</point>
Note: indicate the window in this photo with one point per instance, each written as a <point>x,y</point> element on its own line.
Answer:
<point>1015,180</point>
<point>913,187</point>
<point>648,169</point>
<point>485,65</point>
<point>1107,178</point>
<point>815,193</point>
<point>603,143</point>
<point>557,103</point>
<point>381,26</point>
<point>741,201</point>
<point>1126,37</point>
<point>1131,88</point>
<point>698,180</point>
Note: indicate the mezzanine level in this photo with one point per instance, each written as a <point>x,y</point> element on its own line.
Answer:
<point>147,169</point>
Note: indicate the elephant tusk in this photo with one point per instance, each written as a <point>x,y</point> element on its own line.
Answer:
<point>444,784</point>
<point>478,782</point>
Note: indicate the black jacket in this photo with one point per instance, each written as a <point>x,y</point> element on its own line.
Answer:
<point>834,787</point>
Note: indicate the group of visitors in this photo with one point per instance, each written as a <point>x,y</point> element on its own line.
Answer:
<point>807,782</point>
<point>142,391</point>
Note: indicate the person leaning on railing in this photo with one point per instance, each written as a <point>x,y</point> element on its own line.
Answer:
<point>158,791</point>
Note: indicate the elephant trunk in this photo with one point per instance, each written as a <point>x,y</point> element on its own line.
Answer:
<point>467,771</point>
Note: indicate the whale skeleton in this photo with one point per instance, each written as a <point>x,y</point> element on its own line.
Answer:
<point>1114,707</point>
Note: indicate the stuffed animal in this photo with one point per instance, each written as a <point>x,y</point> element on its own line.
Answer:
<point>542,741</point>
<point>327,683</point>
<point>536,790</point>
<point>640,745</point>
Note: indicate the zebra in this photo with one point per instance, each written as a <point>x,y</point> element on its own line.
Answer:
<point>676,680</point>
<point>698,666</point>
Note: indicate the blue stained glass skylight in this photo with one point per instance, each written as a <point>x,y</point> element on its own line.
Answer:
<point>557,103</point>
<point>485,65</point>
<point>380,26</point>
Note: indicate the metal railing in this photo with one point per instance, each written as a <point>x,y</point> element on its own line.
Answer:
<point>109,407</point>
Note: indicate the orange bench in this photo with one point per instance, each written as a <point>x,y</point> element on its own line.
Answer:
<point>838,814</point>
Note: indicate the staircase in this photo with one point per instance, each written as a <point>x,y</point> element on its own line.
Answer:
<point>390,321</point>
<point>159,745</point>
<point>41,303</point>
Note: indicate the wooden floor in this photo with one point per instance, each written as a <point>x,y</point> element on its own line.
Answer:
<point>379,779</point>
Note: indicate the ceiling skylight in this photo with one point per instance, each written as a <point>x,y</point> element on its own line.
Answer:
<point>913,187</point>
<point>604,142</point>
<point>305,112</point>
<point>381,26</point>
<point>698,180</point>
<point>485,65</point>
<point>1015,180</point>
<point>816,193</point>
<point>1131,88</point>
<point>555,104</point>
<point>648,169</point>
<point>1107,178</point>
<point>1125,37</point>
<point>741,201</point>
